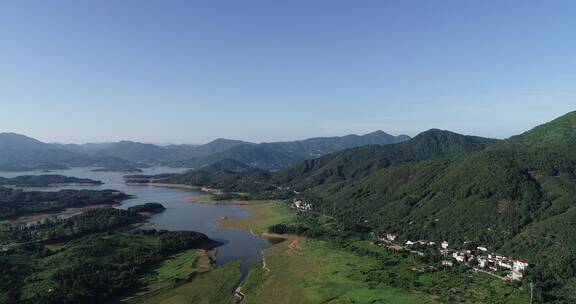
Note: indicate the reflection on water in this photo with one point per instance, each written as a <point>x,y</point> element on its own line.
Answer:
<point>179,215</point>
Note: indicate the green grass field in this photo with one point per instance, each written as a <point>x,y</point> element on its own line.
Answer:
<point>315,273</point>
<point>212,287</point>
<point>172,272</point>
<point>445,285</point>
<point>264,214</point>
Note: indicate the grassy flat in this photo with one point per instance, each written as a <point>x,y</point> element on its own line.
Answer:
<point>298,271</point>
<point>172,272</point>
<point>264,214</point>
<point>310,272</point>
<point>213,287</point>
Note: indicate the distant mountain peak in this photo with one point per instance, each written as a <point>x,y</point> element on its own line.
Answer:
<point>15,141</point>
<point>219,139</point>
<point>377,132</point>
<point>441,132</point>
<point>16,135</point>
<point>227,143</point>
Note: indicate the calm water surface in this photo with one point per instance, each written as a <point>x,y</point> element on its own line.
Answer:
<point>179,215</point>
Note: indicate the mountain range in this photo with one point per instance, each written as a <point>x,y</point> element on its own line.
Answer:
<point>516,196</point>
<point>277,155</point>
<point>19,152</point>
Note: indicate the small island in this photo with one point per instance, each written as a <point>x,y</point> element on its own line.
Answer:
<point>9,167</point>
<point>148,208</point>
<point>46,180</point>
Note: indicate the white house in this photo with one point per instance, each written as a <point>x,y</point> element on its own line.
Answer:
<point>444,245</point>
<point>516,275</point>
<point>481,263</point>
<point>504,264</point>
<point>300,205</point>
<point>447,263</point>
<point>520,265</point>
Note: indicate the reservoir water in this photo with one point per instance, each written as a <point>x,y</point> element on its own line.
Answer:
<point>179,214</point>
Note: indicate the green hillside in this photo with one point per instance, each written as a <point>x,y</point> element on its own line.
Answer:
<point>518,196</point>
<point>360,162</point>
<point>233,176</point>
<point>278,155</point>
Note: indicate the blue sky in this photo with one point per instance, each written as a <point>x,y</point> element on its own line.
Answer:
<point>191,71</point>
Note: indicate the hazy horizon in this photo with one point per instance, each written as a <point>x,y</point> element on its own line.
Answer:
<point>181,143</point>
<point>190,72</point>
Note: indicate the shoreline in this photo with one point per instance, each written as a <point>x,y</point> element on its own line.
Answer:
<point>206,199</point>
<point>256,223</point>
<point>53,185</point>
<point>209,200</point>
<point>34,218</point>
<point>178,186</point>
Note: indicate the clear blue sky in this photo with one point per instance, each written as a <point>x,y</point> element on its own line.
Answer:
<point>190,71</point>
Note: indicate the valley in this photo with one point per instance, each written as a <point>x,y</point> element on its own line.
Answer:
<point>288,152</point>
<point>513,196</point>
<point>439,218</point>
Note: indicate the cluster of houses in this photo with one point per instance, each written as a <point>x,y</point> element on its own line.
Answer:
<point>478,257</point>
<point>302,206</point>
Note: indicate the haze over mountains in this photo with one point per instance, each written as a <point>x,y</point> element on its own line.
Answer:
<point>20,152</point>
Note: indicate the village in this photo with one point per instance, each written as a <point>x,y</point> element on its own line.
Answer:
<point>302,206</point>
<point>473,255</point>
<point>478,257</point>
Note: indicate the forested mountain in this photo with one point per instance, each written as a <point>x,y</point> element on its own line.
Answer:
<point>13,141</point>
<point>23,160</point>
<point>227,175</point>
<point>278,155</point>
<point>21,153</point>
<point>316,147</point>
<point>229,165</point>
<point>257,156</point>
<point>353,163</point>
<point>517,196</point>
<point>150,153</point>
<point>216,146</point>
<point>134,151</point>
<point>18,152</point>
<point>83,148</point>
<point>359,162</point>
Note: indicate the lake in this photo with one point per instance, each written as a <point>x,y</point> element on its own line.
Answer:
<point>179,214</point>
